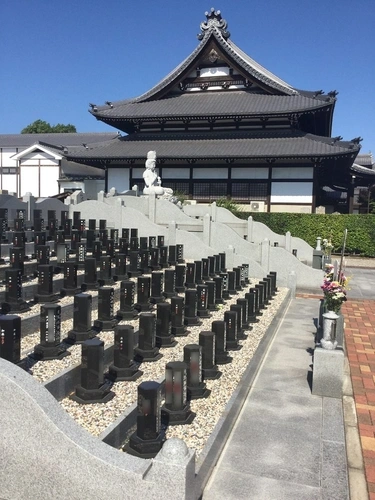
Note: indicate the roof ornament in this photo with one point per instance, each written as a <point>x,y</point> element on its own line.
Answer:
<point>318,92</point>
<point>93,106</point>
<point>332,93</point>
<point>109,104</point>
<point>336,139</point>
<point>356,140</point>
<point>214,20</point>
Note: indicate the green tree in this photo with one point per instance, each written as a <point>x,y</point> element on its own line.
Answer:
<point>43,127</point>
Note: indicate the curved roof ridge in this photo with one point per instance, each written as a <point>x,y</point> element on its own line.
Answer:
<point>172,74</point>
<point>281,84</point>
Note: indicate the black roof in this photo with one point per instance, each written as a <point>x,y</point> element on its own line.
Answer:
<point>215,103</point>
<point>239,144</point>
<point>70,139</point>
<point>212,33</point>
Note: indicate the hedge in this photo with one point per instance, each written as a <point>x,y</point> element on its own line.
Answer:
<point>361,229</point>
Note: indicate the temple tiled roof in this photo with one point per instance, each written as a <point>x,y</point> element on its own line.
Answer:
<point>216,103</point>
<point>199,146</point>
<point>70,139</point>
<point>212,32</point>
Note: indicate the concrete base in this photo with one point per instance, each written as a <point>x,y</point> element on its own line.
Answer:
<point>328,372</point>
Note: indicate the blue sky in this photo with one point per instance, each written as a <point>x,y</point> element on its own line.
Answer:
<point>57,56</point>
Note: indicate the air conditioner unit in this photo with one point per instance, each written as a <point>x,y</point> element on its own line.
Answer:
<point>257,206</point>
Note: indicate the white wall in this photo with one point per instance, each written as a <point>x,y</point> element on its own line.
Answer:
<point>119,179</point>
<point>291,192</point>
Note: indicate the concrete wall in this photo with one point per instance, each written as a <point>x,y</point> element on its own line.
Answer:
<point>46,455</point>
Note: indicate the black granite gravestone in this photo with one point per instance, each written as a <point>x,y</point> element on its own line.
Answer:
<point>106,320</point>
<point>90,238</point>
<point>38,224</point>
<point>198,272</point>
<point>103,237</point>
<point>190,312</point>
<point>45,285</point>
<point>202,295</point>
<point>125,233</point>
<point>67,228</point>
<point>40,238</point>
<point>50,346</point>
<point>61,253</point>
<point>251,311</point>
<point>211,295</point>
<point>10,338</point>
<point>190,275</point>
<point>97,250</point>
<point>161,241</point>
<point>172,255</point>
<point>178,328</point>
<point>180,253</point>
<point>196,388</point>
<point>105,271</point>
<point>42,254</point>
<point>81,253</point>
<point>70,286</point>
<point>163,257</point>
<point>164,337</point>
<point>114,236</point>
<point>176,409</point>
<point>240,329</point>
<point>157,285</point>
<point>13,291</point>
<point>232,283</point>
<point>219,328</point>
<point>205,269</point>
<point>110,248</point>
<point>147,350</point>
<point>144,261</point>
<point>210,370</point>
<point>143,243</point>
<point>154,263</point>
<point>82,319</point>
<point>124,367</point>
<point>143,293</point>
<point>218,280</point>
<point>102,224</point>
<point>123,246</point>
<point>17,259</point>
<point>151,242</point>
<point>237,271</point>
<point>230,318</point>
<point>92,388</point>
<point>133,270</point>
<point>211,266</point>
<point>149,437</point>
<point>180,278</point>
<point>224,277</point>
<point>75,238</point>
<point>169,283</point>
<point>127,295</point>
<point>134,244</point>
<point>120,272</point>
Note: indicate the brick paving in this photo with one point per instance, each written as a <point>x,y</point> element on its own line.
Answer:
<point>360,347</point>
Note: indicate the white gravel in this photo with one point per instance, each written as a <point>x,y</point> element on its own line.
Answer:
<point>95,418</point>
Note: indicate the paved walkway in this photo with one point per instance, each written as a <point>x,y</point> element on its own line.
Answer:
<point>289,444</point>
<point>360,346</point>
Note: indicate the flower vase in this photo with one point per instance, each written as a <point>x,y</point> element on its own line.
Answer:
<point>329,330</point>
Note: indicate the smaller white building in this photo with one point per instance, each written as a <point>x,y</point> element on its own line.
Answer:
<point>35,163</point>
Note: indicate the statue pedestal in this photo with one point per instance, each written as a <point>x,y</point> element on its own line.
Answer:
<point>157,190</point>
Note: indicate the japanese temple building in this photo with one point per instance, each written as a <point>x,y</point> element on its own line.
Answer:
<point>224,126</point>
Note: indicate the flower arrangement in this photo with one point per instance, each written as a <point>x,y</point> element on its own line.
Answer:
<point>334,291</point>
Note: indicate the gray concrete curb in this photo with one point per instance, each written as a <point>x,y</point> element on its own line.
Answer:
<point>356,471</point>
<point>219,436</point>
